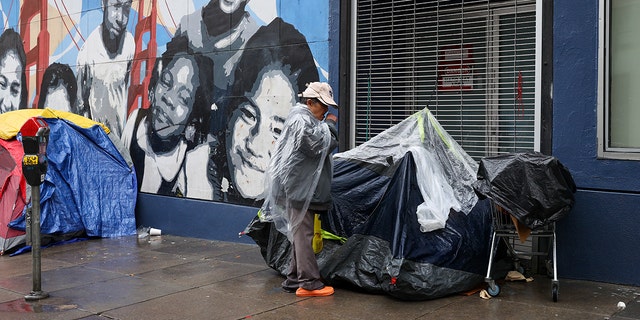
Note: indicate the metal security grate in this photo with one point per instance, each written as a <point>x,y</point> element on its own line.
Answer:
<point>472,63</point>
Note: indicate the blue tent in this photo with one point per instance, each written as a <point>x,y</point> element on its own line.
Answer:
<point>90,185</point>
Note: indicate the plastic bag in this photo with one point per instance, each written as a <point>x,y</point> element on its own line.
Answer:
<point>535,188</point>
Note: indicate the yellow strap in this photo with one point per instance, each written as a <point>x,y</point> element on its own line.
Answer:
<point>317,234</point>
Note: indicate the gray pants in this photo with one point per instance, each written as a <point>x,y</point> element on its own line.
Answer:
<point>304,270</point>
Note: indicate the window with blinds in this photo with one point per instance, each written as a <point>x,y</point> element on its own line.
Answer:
<point>471,62</point>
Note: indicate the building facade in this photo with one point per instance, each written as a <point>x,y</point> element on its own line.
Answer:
<point>198,89</point>
<point>593,134</point>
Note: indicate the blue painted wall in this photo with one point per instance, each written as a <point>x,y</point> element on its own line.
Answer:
<point>194,218</point>
<point>598,240</point>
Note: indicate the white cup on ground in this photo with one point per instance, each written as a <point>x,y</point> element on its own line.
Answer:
<point>154,232</point>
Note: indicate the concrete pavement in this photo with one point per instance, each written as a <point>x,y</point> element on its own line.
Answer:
<point>170,277</point>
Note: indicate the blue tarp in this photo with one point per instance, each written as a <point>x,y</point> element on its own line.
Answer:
<point>89,186</point>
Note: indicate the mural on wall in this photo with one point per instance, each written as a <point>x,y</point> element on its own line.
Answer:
<point>198,90</point>
<point>58,89</point>
<point>176,122</point>
<point>13,91</point>
<point>103,66</point>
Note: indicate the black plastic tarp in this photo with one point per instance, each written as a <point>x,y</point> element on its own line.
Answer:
<point>376,200</point>
<point>389,253</point>
<point>385,251</point>
<point>535,188</point>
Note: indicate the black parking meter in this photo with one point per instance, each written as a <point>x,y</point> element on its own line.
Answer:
<point>35,136</point>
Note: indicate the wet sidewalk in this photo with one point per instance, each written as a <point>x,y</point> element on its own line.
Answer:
<point>169,277</point>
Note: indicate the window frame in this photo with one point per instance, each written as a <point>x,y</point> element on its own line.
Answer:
<point>535,7</point>
<point>604,92</point>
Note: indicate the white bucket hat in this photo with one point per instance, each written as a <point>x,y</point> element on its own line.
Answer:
<point>321,91</point>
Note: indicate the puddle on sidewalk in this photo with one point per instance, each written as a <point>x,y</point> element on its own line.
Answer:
<point>41,306</point>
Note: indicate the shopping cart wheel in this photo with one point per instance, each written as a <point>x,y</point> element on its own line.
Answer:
<point>493,290</point>
<point>554,291</point>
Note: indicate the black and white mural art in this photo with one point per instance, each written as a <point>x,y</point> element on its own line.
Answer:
<point>198,90</point>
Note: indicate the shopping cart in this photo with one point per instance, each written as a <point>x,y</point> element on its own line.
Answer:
<point>505,229</point>
<point>527,189</point>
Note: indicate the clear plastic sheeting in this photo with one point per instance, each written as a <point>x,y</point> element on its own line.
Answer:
<point>535,188</point>
<point>446,173</point>
<point>295,169</point>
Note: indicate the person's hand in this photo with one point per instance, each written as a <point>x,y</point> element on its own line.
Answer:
<point>332,117</point>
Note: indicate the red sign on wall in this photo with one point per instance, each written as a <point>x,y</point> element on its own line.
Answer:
<point>455,68</point>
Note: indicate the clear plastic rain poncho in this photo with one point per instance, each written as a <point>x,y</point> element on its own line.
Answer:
<point>294,170</point>
<point>445,172</point>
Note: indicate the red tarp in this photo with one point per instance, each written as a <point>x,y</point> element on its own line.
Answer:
<point>12,194</point>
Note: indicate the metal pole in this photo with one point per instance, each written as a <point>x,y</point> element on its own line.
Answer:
<point>36,293</point>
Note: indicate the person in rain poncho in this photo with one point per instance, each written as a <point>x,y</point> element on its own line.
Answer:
<point>298,184</point>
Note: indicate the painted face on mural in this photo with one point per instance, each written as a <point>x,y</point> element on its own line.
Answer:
<point>230,6</point>
<point>173,97</point>
<point>58,99</point>
<point>10,82</point>
<point>255,125</point>
<point>116,16</point>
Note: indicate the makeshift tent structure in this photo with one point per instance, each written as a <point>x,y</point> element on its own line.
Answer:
<point>90,185</point>
<point>405,208</point>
